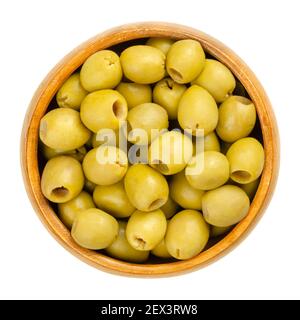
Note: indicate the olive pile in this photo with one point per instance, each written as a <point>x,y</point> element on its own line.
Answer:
<point>161,204</point>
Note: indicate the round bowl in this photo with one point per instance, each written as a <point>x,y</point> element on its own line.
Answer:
<point>115,37</point>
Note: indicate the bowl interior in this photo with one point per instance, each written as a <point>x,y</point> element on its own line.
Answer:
<point>118,39</point>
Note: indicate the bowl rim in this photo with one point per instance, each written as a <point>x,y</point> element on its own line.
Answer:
<point>71,62</point>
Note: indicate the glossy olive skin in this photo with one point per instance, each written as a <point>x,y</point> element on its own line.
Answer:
<point>103,109</point>
<point>94,229</point>
<point>113,199</point>
<point>218,231</point>
<point>146,116</point>
<point>62,179</point>
<point>217,79</point>
<point>167,94</point>
<point>143,64</point>
<point>169,208</point>
<point>71,93</point>
<point>121,249</point>
<point>163,44</point>
<point>208,143</point>
<point>170,152</point>
<point>246,157</point>
<point>185,60</point>
<point>50,153</point>
<point>105,165</point>
<point>184,194</point>
<point>187,234</point>
<point>225,206</point>
<point>250,188</point>
<point>102,70</point>
<point>145,230</point>
<point>237,117</point>
<point>161,250</point>
<point>68,211</point>
<point>215,171</point>
<point>146,188</point>
<point>197,109</point>
<point>62,129</point>
<point>135,93</point>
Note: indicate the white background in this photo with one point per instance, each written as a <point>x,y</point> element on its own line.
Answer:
<point>35,35</point>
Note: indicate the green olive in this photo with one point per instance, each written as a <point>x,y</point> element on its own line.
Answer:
<point>167,93</point>
<point>217,79</point>
<point>163,44</point>
<point>237,117</point>
<point>121,249</point>
<point>94,229</point>
<point>161,250</point>
<point>145,230</point>
<point>135,93</point>
<point>89,186</point>
<point>218,231</point>
<point>208,143</point>
<point>143,64</point>
<point>146,188</point>
<point>50,153</point>
<point>105,165</point>
<point>170,152</point>
<point>187,234</point>
<point>62,129</point>
<point>185,60</point>
<point>169,208</point>
<point>103,109</point>
<point>184,194</point>
<point>102,70</point>
<point>143,119</point>
<point>246,157</point>
<point>62,179</point>
<point>197,109</point>
<point>71,93</point>
<point>207,170</point>
<point>69,210</point>
<point>113,199</point>
<point>250,188</point>
<point>225,206</point>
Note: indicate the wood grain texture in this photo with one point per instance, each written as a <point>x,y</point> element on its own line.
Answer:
<point>52,82</point>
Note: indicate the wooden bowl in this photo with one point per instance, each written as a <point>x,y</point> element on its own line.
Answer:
<point>113,37</point>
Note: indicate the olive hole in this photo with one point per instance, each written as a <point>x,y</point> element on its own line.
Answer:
<point>169,84</point>
<point>140,243</point>
<point>60,192</point>
<point>156,204</point>
<point>120,164</point>
<point>118,110</point>
<point>176,75</point>
<point>241,176</point>
<point>110,61</point>
<point>178,253</point>
<point>159,165</point>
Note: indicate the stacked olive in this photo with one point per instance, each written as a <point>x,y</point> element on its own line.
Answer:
<point>171,202</point>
